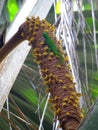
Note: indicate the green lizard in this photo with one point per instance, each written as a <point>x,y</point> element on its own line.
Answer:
<point>52,46</point>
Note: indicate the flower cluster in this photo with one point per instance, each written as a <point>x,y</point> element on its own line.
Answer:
<point>58,77</point>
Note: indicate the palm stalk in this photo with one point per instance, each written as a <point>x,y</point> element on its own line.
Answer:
<point>10,45</point>
<point>56,75</point>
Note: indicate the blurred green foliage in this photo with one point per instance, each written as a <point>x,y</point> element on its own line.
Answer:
<point>12,9</point>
